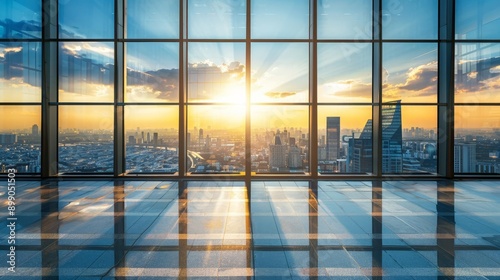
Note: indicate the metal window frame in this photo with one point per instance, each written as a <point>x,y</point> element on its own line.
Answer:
<point>445,104</point>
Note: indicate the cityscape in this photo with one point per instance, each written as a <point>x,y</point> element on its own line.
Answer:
<point>210,150</point>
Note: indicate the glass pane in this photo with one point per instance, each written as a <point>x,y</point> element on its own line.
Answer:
<point>408,19</point>
<point>151,137</point>
<point>86,139</point>
<point>410,72</point>
<point>20,136</point>
<point>217,19</point>
<point>479,19</point>
<point>153,19</point>
<point>216,72</point>
<point>409,138</point>
<point>216,139</point>
<point>74,19</point>
<point>344,72</point>
<point>152,72</point>
<point>477,139</point>
<point>345,139</point>
<point>86,72</point>
<point>280,19</point>
<point>345,19</point>
<point>280,72</point>
<point>280,139</point>
<point>20,72</point>
<point>21,19</point>
<point>477,72</point>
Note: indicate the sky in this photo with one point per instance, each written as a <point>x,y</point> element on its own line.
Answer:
<point>279,71</point>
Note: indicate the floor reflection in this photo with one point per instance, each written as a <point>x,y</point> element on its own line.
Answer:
<point>268,229</point>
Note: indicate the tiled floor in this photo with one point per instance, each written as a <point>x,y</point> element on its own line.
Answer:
<point>282,230</point>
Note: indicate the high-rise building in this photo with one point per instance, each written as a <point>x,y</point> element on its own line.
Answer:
<point>34,130</point>
<point>294,159</point>
<point>332,138</point>
<point>155,139</point>
<point>392,138</point>
<point>131,140</point>
<point>8,138</point>
<point>200,136</point>
<point>465,158</point>
<point>277,155</point>
<point>359,156</point>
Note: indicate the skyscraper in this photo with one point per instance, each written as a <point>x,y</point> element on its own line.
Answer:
<point>361,149</point>
<point>465,158</point>
<point>392,138</point>
<point>359,157</point>
<point>332,138</point>
<point>277,155</point>
<point>34,130</point>
<point>155,139</point>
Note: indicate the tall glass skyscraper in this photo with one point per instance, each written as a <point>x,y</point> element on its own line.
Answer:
<point>392,138</point>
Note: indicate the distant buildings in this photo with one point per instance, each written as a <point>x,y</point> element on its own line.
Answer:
<point>34,130</point>
<point>465,158</point>
<point>332,138</point>
<point>277,155</point>
<point>8,138</point>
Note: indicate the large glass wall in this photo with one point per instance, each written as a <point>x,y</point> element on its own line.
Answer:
<point>248,87</point>
<point>20,85</point>
<point>477,80</point>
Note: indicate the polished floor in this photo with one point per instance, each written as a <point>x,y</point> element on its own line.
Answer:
<point>268,230</point>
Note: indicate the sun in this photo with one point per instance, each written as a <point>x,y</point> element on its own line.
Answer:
<point>234,93</point>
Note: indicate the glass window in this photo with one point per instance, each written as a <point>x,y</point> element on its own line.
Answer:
<point>74,20</point>
<point>408,19</point>
<point>21,19</point>
<point>280,72</point>
<point>216,72</point>
<point>217,19</point>
<point>280,139</point>
<point>477,72</point>
<point>86,139</point>
<point>280,19</point>
<point>345,139</point>
<point>409,139</point>
<point>20,72</point>
<point>86,72</point>
<point>152,139</point>
<point>477,139</point>
<point>345,19</point>
<point>345,72</point>
<point>216,139</point>
<point>152,19</point>
<point>20,137</point>
<point>409,72</point>
<point>152,72</point>
<point>479,19</point>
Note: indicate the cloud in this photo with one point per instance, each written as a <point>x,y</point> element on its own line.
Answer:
<point>275,94</point>
<point>161,84</point>
<point>75,49</point>
<point>6,51</point>
<point>495,70</point>
<point>482,84</point>
<point>348,88</point>
<point>22,26</point>
<point>421,79</point>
